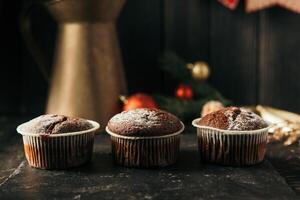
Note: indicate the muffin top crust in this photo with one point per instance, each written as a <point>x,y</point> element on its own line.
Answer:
<point>55,124</point>
<point>144,122</point>
<point>233,118</point>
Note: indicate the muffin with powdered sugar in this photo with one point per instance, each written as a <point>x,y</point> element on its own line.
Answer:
<point>232,136</point>
<point>57,141</point>
<point>144,122</point>
<point>55,124</point>
<point>233,118</point>
<point>145,137</point>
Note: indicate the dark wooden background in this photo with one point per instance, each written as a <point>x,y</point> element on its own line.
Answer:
<point>255,58</point>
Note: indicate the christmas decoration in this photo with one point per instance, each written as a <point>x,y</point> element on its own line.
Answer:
<point>231,4</point>
<point>184,92</point>
<point>138,100</point>
<point>255,5</point>
<point>211,106</point>
<point>188,76</point>
<point>185,110</point>
<point>285,125</point>
<point>199,70</point>
<point>286,132</point>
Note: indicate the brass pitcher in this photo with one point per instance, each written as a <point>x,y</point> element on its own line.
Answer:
<point>87,76</point>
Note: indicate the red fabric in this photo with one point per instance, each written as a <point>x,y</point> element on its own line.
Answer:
<point>255,5</point>
<point>231,4</point>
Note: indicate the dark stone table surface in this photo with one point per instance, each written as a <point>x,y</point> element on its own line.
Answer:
<point>188,179</point>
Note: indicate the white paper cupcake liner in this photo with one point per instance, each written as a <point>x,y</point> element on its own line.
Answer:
<point>59,151</point>
<point>234,148</point>
<point>145,152</point>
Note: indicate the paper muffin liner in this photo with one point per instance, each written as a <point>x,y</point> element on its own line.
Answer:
<point>234,148</point>
<point>145,152</point>
<point>59,151</point>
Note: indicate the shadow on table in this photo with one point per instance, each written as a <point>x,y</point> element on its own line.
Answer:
<point>102,163</point>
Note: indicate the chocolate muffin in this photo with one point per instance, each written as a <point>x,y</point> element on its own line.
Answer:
<point>55,124</point>
<point>144,122</point>
<point>57,141</point>
<point>233,118</point>
<point>145,138</point>
<point>232,136</point>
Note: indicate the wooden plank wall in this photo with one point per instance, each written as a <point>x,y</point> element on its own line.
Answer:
<point>140,31</point>
<point>254,57</point>
<point>233,53</point>
<point>279,65</point>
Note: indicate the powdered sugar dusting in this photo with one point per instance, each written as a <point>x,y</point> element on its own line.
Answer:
<point>233,118</point>
<point>144,122</point>
<point>42,123</point>
<point>245,121</point>
<point>140,117</point>
<point>55,124</point>
<point>229,114</point>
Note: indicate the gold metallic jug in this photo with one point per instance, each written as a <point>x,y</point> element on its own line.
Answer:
<point>87,76</point>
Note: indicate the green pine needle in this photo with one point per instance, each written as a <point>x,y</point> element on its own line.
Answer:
<point>175,66</point>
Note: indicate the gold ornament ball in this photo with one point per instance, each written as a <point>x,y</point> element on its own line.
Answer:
<point>199,70</point>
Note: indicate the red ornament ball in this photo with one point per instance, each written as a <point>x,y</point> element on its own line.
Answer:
<point>184,92</point>
<point>139,100</point>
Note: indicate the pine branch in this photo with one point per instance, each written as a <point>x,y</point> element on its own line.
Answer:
<point>174,65</point>
<point>184,109</point>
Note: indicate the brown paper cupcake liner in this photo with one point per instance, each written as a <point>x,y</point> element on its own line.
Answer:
<point>145,152</point>
<point>59,151</point>
<point>234,148</point>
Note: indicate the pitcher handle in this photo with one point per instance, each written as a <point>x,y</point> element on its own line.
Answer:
<point>32,45</point>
